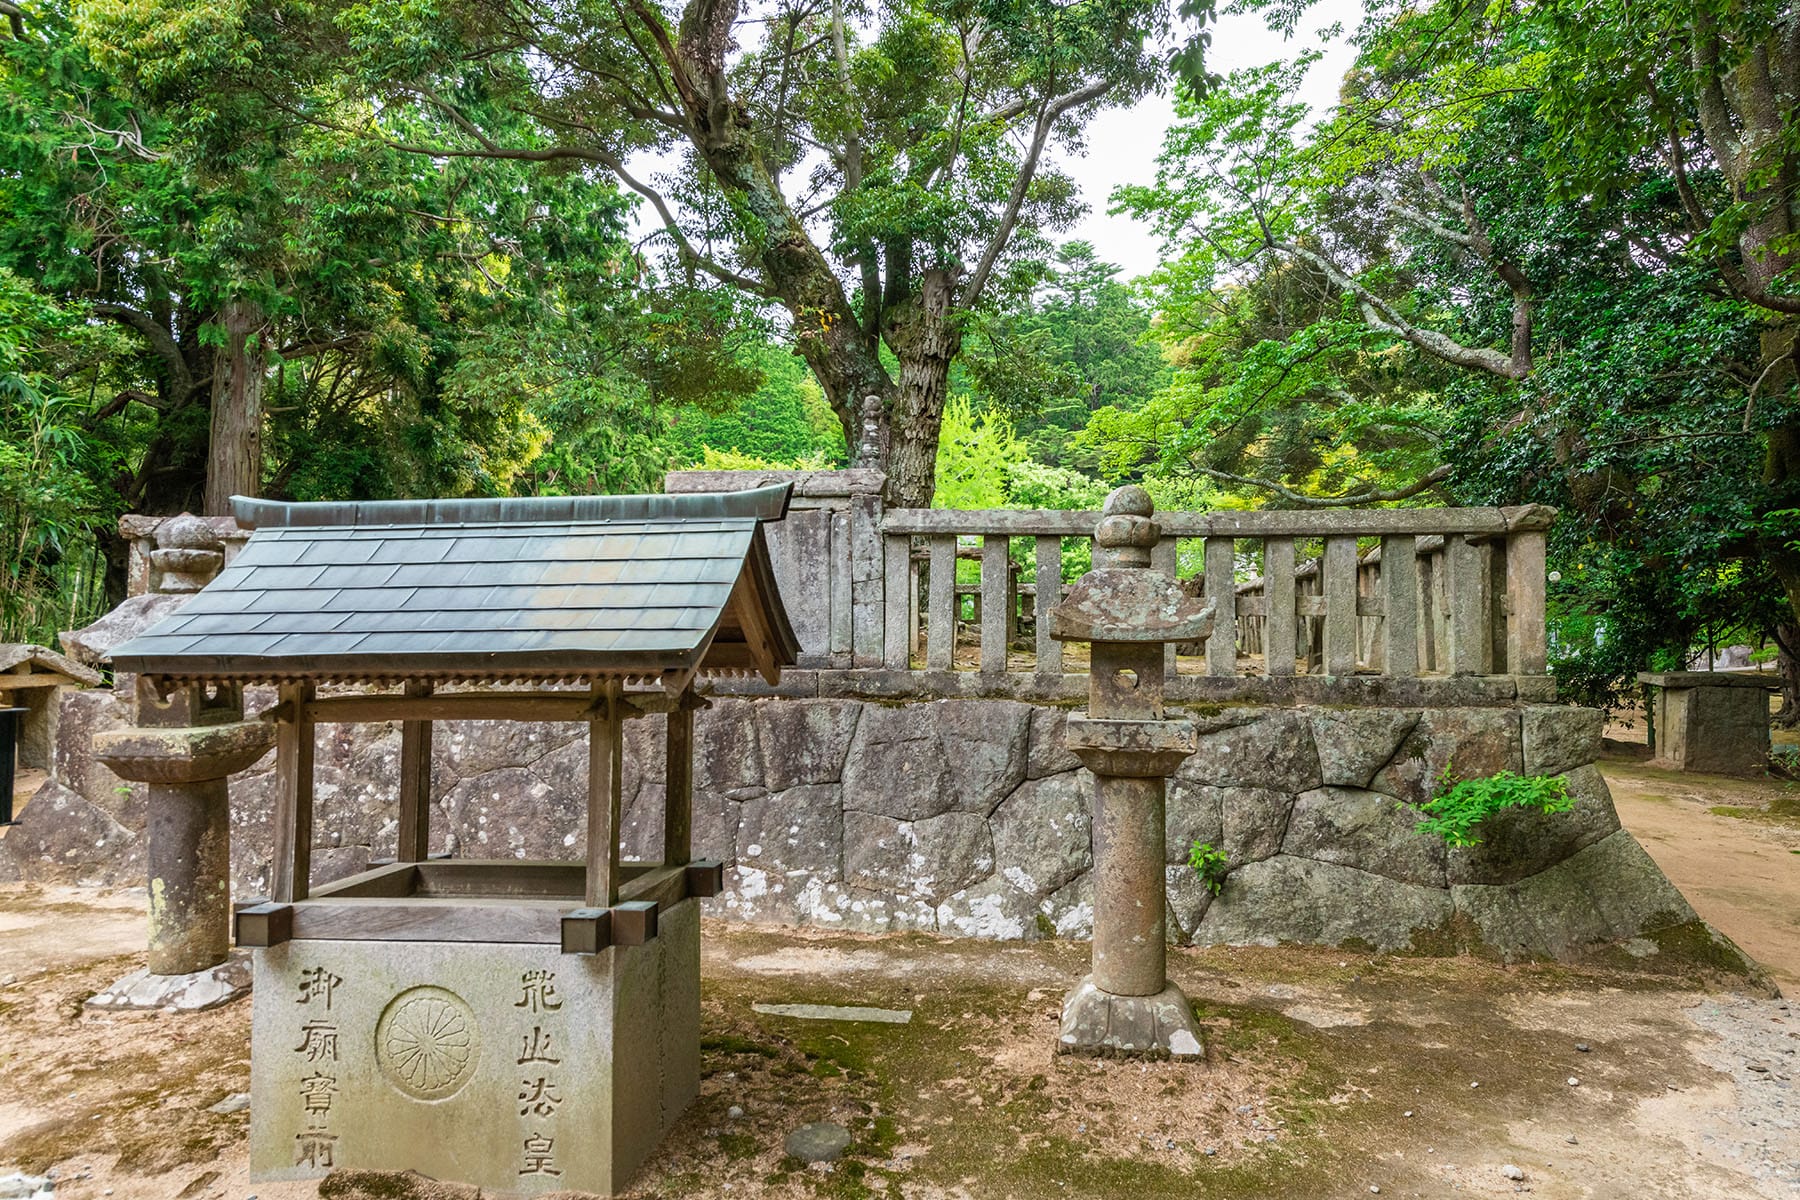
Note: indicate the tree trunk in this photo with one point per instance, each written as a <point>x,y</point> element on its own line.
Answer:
<point>1787,666</point>
<point>925,336</point>
<point>234,454</point>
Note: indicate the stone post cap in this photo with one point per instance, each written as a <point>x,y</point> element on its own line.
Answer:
<point>1126,531</point>
<point>180,754</point>
<point>1125,599</point>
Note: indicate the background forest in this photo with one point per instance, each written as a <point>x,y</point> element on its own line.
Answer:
<point>349,249</point>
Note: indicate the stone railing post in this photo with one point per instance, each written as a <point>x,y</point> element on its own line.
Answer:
<point>1129,611</point>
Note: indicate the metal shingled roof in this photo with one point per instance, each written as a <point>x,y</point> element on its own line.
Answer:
<point>556,587</point>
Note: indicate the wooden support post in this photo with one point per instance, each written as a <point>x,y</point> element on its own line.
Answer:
<point>1527,652</point>
<point>1165,556</point>
<point>415,783</point>
<point>1469,606</point>
<point>1278,598</point>
<point>994,573</point>
<point>291,871</point>
<point>606,760</point>
<point>1400,605</point>
<point>895,576</point>
<point>1049,595</point>
<point>678,792</point>
<point>1221,589</point>
<point>1339,569</point>
<point>940,650</point>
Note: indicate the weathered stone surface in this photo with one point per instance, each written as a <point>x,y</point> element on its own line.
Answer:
<point>82,715</point>
<point>471,748</point>
<point>1477,741</point>
<point>1259,748</point>
<point>1188,901</point>
<point>1559,737</point>
<point>1047,753</point>
<point>1255,819</point>
<point>332,863</point>
<point>924,860</point>
<point>896,764</point>
<point>1517,842</point>
<point>715,826</point>
<point>1042,833</point>
<point>994,908</point>
<point>511,813</point>
<point>727,752</point>
<point>61,837</point>
<point>984,750</point>
<point>1367,830</point>
<point>640,825</point>
<point>805,741</point>
<point>819,1142</point>
<point>1605,893</point>
<point>1288,899</point>
<point>1191,813</point>
<point>93,645</point>
<point>799,832</point>
<point>1354,743</point>
<point>1095,1022</point>
<point>141,991</point>
<point>1070,909</point>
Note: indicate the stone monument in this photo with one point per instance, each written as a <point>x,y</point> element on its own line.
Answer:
<point>1128,611</point>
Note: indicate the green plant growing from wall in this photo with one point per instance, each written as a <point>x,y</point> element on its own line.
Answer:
<point>1209,864</point>
<point>1462,804</point>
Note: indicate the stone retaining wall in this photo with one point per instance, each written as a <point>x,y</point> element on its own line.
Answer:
<point>967,817</point>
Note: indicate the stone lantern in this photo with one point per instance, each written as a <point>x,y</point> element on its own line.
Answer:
<point>1128,611</point>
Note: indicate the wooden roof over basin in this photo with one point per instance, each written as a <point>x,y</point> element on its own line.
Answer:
<point>571,589</point>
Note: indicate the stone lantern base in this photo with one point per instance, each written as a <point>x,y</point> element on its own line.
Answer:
<point>1103,1025</point>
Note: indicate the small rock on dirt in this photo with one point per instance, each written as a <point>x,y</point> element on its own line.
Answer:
<point>821,1141</point>
<point>18,1186</point>
<point>735,1113</point>
<point>1512,1172</point>
<point>1582,1047</point>
<point>236,1102</point>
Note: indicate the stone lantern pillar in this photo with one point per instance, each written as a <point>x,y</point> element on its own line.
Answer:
<point>1127,611</point>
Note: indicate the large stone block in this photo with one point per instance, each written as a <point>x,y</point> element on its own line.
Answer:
<point>805,741</point>
<point>1256,819</point>
<point>727,752</point>
<point>511,813</point>
<point>1043,833</point>
<point>896,764</point>
<point>798,833</point>
<point>473,748</point>
<point>923,860</point>
<point>514,1068</point>
<point>1070,909</point>
<point>1191,813</point>
<point>1476,741</point>
<point>1366,830</point>
<point>1605,893</point>
<point>995,908</point>
<point>1254,748</point>
<point>1354,743</point>
<point>1048,754</point>
<point>1188,900</point>
<point>1559,737</point>
<point>60,837</point>
<point>83,714</point>
<point>1520,842</point>
<point>1288,899</point>
<point>984,750</point>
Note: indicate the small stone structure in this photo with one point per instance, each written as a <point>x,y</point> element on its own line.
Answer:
<point>36,679</point>
<point>1128,612</point>
<point>1712,721</point>
<point>521,1026</point>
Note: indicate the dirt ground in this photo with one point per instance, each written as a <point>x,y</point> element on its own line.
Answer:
<point>1328,1075</point>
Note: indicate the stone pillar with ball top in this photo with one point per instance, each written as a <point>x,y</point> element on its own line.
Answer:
<point>1127,610</point>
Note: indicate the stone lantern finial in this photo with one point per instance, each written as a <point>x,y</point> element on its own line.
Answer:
<point>1125,532</point>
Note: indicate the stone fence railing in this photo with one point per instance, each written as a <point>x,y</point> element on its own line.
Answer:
<point>1402,606</point>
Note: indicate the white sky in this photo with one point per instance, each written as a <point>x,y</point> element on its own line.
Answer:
<point>1123,143</point>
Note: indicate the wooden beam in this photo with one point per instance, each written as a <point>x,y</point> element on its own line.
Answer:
<point>291,870</point>
<point>264,925</point>
<point>633,922</point>
<point>606,750</point>
<point>586,930</point>
<point>456,706</point>
<point>678,780</point>
<point>415,782</point>
<point>429,921</point>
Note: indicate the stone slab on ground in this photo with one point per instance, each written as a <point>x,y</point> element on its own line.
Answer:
<point>835,1012</point>
<point>198,991</point>
<point>818,1142</point>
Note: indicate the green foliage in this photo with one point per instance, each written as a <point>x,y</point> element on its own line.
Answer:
<point>1209,864</point>
<point>784,420</point>
<point>1462,804</point>
<point>976,453</point>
